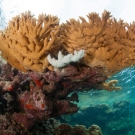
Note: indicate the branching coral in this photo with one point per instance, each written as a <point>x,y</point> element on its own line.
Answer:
<point>110,86</point>
<point>27,41</point>
<point>106,41</point>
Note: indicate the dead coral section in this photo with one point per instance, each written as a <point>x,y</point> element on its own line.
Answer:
<point>27,41</point>
<point>106,41</point>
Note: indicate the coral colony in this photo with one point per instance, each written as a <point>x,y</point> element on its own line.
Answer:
<point>47,61</point>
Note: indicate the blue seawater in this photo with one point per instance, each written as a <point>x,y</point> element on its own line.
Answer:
<point>113,111</point>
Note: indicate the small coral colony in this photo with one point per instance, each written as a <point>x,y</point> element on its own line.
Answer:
<point>46,61</point>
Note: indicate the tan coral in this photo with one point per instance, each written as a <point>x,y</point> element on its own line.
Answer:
<point>27,41</point>
<point>108,42</point>
<point>110,85</point>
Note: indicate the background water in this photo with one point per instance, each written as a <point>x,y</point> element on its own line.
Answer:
<point>113,111</point>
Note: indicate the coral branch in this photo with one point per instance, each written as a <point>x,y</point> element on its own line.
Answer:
<point>27,41</point>
<point>106,41</point>
<point>110,86</point>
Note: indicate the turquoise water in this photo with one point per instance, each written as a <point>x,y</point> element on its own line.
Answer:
<point>126,80</point>
<point>113,111</point>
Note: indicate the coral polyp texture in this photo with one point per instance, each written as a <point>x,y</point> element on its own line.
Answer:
<point>106,41</point>
<point>27,41</point>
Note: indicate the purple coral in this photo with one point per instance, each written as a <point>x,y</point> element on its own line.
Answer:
<point>44,95</point>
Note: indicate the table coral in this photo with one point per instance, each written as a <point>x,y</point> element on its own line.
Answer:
<point>106,41</point>
<point>27,41</point>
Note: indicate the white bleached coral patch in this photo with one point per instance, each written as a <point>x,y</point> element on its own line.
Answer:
<point>64,60</point>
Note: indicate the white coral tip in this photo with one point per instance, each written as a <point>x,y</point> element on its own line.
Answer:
<point>60,55</point>
<point>64,60</point>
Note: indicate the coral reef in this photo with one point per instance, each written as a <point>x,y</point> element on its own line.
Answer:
<point>65,129</point>
<point>110,85</point>
<point>45,127</point>
<point>106,41</point>
<point>27,41</point>
<point>32,97</point>
<point>116,118</point>
<point>31,45</point>
<point>9,125</point>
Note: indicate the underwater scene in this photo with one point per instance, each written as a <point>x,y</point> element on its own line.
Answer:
<point>113,111</point>
<point>67,73</point>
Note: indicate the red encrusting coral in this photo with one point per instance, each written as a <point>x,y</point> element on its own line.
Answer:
<point>44,95</point>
